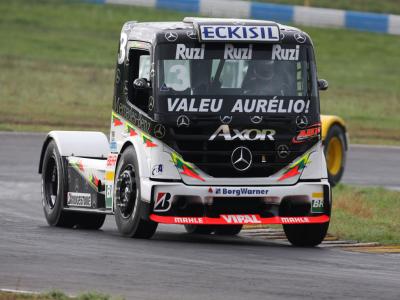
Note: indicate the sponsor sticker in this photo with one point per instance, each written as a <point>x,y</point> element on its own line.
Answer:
<point>279,53</point>
<point>163,202</point>
<point>243,135</point>
<point>188,220</point>
<point>183,52</point>
<point>231,52</point>
<point>79,199</point>
<point>215,105</point>
<point>240,191</point>
<point>239,33</point>
<point>157,170</point>
<point>317,206</point>
<point>109,175</point>
<point>294,220</point>
<point>112,160</point>
<point>307,134</point>
<point>109,189</point>
<point>242,219</point>
<point>113,146</point>
<point>194,105</point>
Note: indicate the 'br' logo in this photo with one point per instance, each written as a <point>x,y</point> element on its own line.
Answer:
<point>163,202</point>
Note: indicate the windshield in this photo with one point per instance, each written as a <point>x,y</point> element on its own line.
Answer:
<point>227,69</point>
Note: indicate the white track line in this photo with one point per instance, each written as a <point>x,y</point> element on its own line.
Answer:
<point>363,146</point>
<point>18,291</point>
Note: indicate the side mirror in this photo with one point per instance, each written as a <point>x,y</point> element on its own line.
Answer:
<point>141,84</point>
<point>322,84</point>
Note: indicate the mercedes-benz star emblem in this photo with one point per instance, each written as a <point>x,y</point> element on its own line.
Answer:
<point>256,119</point>
<point>191,34</point>
<point>241,158</point>
<point>225,119</point>
<point>183,121</point>
<point>301,121</point>
<point>171,36</point>
<point>283,151</point>
<point>300,38</point>
<point>159,131</point>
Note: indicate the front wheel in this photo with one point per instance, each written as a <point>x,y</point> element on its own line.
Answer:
<point>335,153</point>
<point>129,208</point>
<point>306,235</point>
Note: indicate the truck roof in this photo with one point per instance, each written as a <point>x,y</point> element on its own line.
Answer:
<point>148,31</point>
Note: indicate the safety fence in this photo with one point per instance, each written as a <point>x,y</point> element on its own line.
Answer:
<point>300,15</point>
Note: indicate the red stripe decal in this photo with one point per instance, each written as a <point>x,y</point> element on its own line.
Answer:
<point>238,219</point>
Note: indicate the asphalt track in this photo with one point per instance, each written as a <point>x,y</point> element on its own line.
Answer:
<point>175,265</point>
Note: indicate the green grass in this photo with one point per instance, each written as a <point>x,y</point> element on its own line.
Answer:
<point>366,214</point>
<point>379,6</point>
<point>57,61</point>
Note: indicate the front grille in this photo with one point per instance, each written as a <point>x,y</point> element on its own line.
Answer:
<point>214,157</point>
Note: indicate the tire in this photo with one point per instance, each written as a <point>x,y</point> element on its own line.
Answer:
<point>129,208</point>
<point>54,189</point>
<point>306,235</point>
<point>335,154</point>
<point>90,221</point>
<point>228,229</point>
<point>199,229</point>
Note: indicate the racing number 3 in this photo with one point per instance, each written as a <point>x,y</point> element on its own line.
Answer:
<point>122,48</point>
<point>182,79</point>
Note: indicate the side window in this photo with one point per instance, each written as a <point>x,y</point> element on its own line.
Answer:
<point>144,67</point>
<point>139,68</point>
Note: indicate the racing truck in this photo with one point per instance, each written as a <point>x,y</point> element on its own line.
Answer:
<point>215,124</point>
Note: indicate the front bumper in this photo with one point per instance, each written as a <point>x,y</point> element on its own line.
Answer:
<point>178,203</point>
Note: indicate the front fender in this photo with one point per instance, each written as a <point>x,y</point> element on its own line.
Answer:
<point>327,121</point>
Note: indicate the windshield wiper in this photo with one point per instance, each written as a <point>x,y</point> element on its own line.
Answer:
<point>215,83</point>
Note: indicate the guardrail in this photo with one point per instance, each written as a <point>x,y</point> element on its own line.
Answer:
<point>301,15</point>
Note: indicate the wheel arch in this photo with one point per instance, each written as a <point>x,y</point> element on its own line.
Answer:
<point>328,121</point>
<point>76,143</point>
<point>141,157</point>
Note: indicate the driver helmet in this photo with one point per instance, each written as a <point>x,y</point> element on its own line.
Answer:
<point>264,69</point>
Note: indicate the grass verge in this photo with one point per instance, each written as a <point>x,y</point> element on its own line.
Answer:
<point>366,214</point>
<point>56,69</point>
<point>53,295</point>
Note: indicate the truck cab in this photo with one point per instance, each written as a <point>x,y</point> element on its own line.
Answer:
<point>215,124</point>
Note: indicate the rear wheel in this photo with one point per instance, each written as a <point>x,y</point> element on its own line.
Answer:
<point>129,208</point>
<point>199,229</point>
<point>335,153</point>
<point>228,229</point>
<point>306,235</point>
<point>54,189</point>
